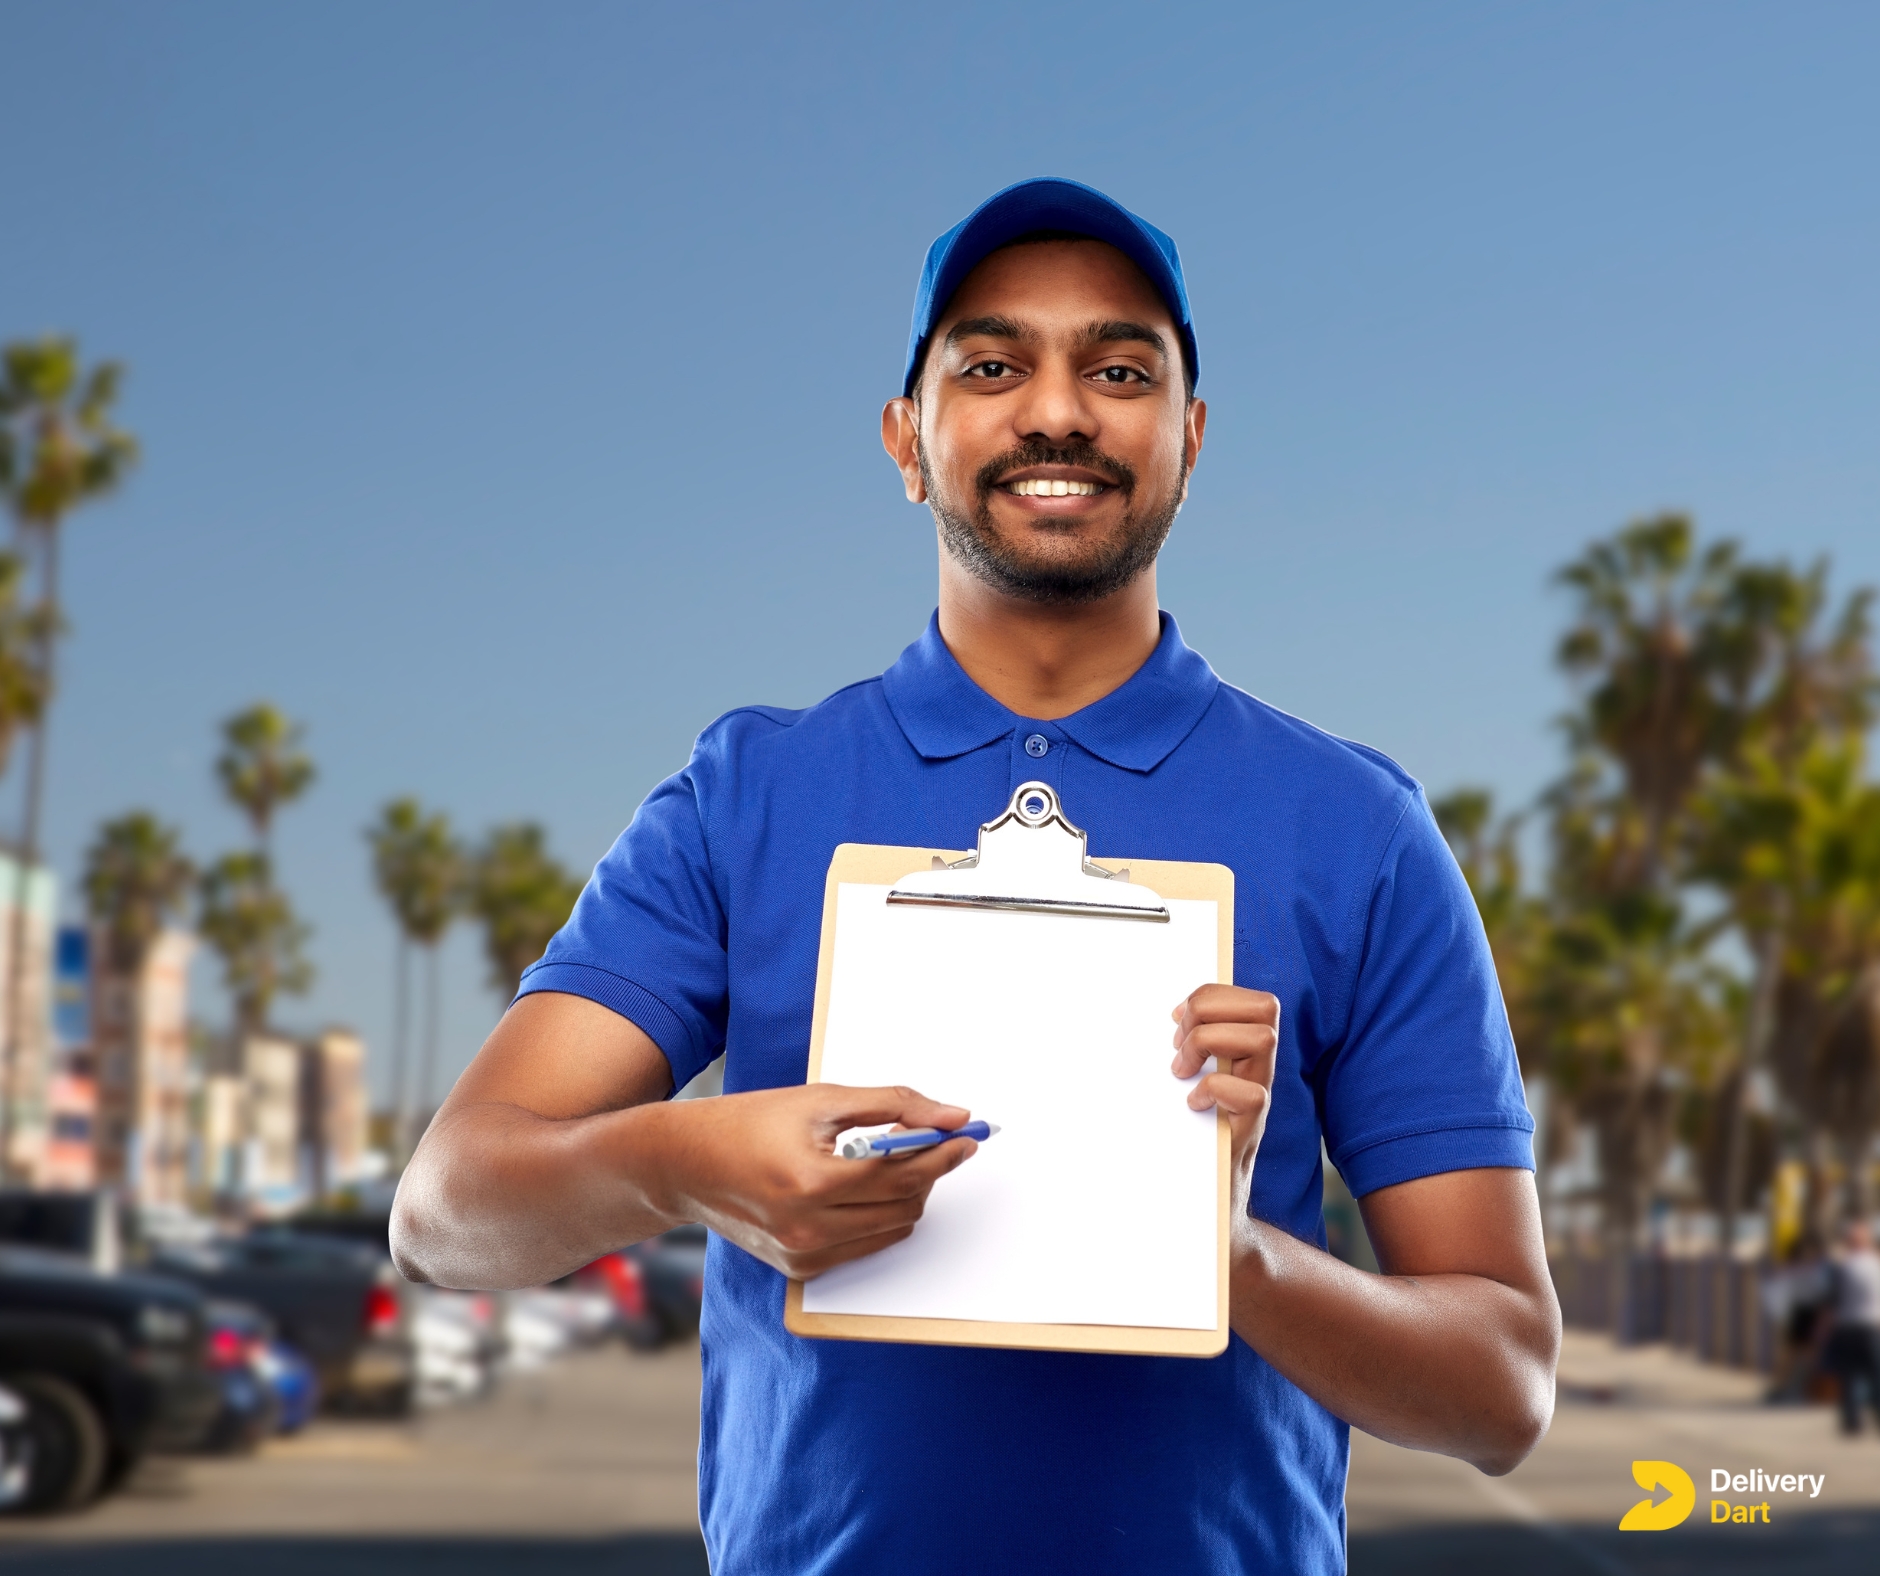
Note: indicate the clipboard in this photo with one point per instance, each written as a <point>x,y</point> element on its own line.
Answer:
<point>1032,869</point>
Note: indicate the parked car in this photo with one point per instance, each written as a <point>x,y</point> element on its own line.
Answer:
<point>248,1410</point>
<point>337,1302</point>
<point>107,1368</point>
<point>285,1371</point>
<point>674,1266</point>
<point>546,1321</point>
<point>658,1285</point>
<point>86,1224</point>
<point>16,1450</point>
<point>267,1387</point>
<point>460,1343</point>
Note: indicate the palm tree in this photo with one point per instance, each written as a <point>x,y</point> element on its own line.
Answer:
<point>420,870</point>
<point>24,685</point>
<point>250,923</point>
<point>1718,742</point>
<point>523,896</point>
<point>1489,853</point>
<point>1650,647</point>
<point>59,449</point>
<point>262,767</point>
<point>1627,1009</point>
<point>254,930</point>
<point>1796,847</point>
<point>136,878</point>
<point>1796,688</point>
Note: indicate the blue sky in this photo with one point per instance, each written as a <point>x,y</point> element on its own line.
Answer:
<point>508,375</point>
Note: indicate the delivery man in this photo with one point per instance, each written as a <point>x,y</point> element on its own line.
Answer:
<point>1048,420</point>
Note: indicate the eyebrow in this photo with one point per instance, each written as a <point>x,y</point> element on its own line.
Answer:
<point>991,327</point>
<point>1114,331</point>
<point>1118,331</point>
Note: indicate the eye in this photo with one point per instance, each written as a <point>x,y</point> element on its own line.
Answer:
<point>1120,376</point>
<point>988,370</point>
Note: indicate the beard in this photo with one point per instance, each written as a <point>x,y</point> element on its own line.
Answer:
<point>1089,575</point>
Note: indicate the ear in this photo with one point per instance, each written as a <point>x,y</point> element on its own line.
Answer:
<point>1194,429</point>
<point>900,436</point>
<point>1196,426</point>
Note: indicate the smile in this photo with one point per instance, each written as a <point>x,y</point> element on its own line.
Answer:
<point>1054,489</point>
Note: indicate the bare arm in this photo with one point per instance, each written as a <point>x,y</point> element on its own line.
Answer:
<point>1453,1347</point>
<point>558,1145</point>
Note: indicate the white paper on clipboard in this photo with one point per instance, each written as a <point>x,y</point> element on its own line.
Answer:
<point>1098,1201</point>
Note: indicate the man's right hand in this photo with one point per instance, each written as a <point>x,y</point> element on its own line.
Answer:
<point>558,1145</point>
<point>761,1171</point>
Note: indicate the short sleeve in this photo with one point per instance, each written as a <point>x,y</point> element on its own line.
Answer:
<point>647,935</point>
<point>1425,1078</point>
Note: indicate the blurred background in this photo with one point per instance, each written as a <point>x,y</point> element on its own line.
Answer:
<point>420,421</point>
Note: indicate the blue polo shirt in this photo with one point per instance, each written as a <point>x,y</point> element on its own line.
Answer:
<point>701,925</point>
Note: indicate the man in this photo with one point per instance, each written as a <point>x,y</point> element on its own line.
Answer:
<point>1049,422</point>
<point>1853,1354</point>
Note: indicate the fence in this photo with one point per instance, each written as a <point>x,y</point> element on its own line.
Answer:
<point>1711,1306</point>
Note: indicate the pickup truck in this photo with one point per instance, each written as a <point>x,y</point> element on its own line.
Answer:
<point>107,1366</point>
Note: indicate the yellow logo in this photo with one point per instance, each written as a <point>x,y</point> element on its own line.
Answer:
<point>1664,1514</point>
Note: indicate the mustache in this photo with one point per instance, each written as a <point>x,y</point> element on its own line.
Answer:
<point>1083,454</point>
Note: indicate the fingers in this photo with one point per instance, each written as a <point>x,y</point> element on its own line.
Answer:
<point>841,1107</point>
<point>1227,1004</point>
<point>892,1196</point>
<point>870,1181</point>
<point>1239,1027</point>
<point>1236,1096</point>
<point>807,1266</point>
<point>1245,1049</point>
<point>832,1228</point>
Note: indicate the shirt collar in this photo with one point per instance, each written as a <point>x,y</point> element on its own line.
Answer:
<point>1135,726</point>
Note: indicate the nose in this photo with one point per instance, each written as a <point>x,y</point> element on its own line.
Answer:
<point>1054,406</point>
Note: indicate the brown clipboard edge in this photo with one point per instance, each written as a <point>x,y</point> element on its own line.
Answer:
<point>874,864</point>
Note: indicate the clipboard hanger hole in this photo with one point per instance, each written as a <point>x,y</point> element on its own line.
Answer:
<point>1036,805</point>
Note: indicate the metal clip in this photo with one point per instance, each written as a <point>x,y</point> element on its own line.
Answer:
<point>1031,860</point>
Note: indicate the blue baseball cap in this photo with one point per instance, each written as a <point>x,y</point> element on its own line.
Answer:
<point>1047,204</point>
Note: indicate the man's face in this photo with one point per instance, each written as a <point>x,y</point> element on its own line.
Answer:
<point>1053,435</point>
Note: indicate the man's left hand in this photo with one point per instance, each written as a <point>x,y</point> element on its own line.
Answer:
<point>1240,1029</point>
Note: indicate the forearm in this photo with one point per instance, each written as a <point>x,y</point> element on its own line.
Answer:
<point>497,1196</point>
<point>1458,1364</point>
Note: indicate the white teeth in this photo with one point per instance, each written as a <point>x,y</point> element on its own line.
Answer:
<point>1053,489</point>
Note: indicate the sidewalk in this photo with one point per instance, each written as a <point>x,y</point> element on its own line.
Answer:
<point>1558,1513</point>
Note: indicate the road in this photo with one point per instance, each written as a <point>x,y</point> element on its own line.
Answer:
<point>588,1467</point>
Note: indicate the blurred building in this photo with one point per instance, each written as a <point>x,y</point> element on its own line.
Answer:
<point>140,1059</point>
<point>221,1133</point>
<point>68,1159</point>
<point>334,1110</point>
<point>282,1121</point>
<point>271,1096</point>
<point>24,1082</point>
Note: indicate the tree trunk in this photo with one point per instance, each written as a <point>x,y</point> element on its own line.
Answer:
<point>1758,1033</point>
<point>1823,1203</point>
<point>28,853</point>
<point>401,1023</point>
<point>428,1069</point>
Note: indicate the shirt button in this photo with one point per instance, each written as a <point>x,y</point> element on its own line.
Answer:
<point>1038,745</point>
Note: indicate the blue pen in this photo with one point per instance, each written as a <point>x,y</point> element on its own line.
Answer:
<point>885,1145</point>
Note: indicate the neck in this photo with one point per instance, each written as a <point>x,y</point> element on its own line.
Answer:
<point>1046,662</point>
